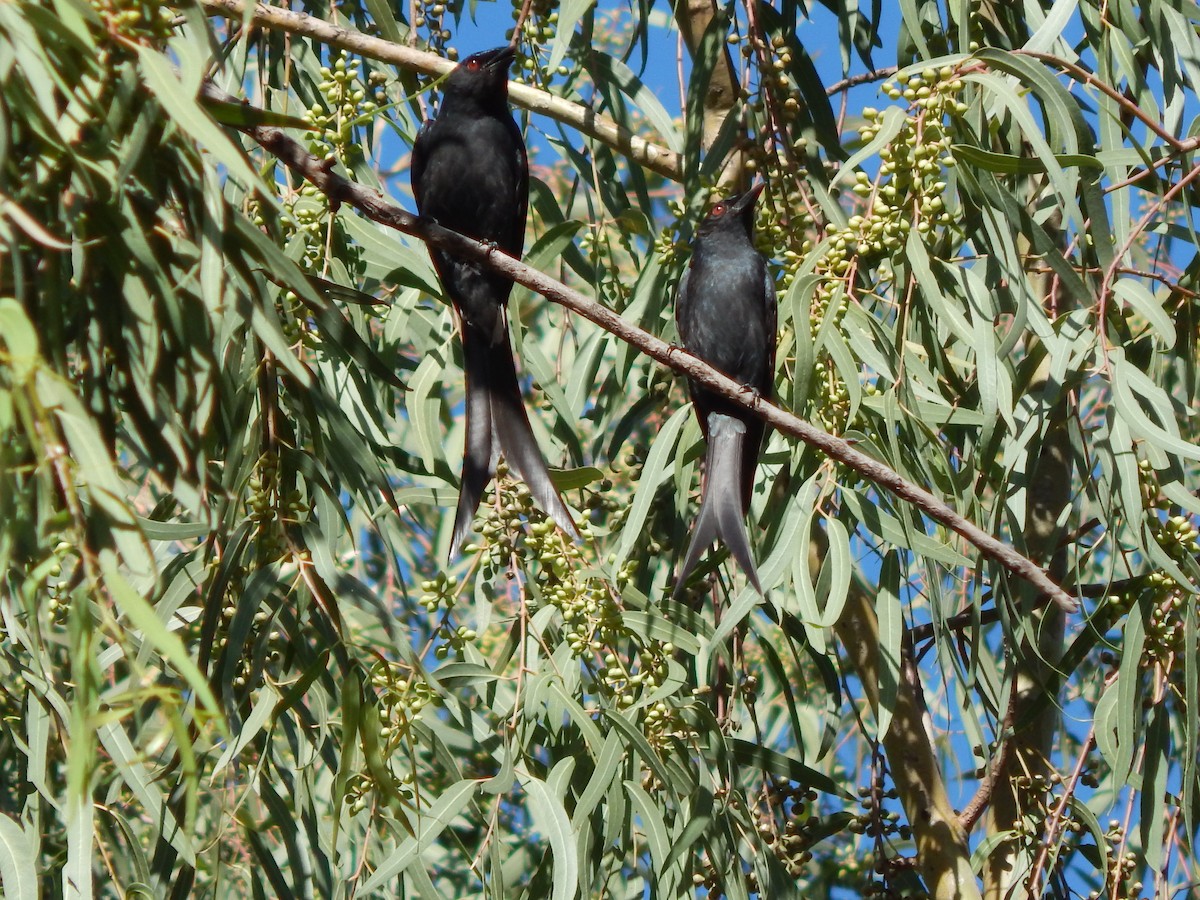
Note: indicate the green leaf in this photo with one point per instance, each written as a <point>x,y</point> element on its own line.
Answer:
<point>1145,304</point>
<point>1155,800</point>
<point>709,55</point>
<point>890,611</point>
<point>30,225</point>
<point>172,531</point>
<point>19,340</point>
<point>185,110</point>
<point>652,626</point>
<point>1007,164</point>
<point>18,860</point>
<point>384,18</point>
<point>424,409</point>
<point>430,823</point>
<point>570,13</point>
<point>133,772</point>
<point>610,70</point>
<point>890,529</point>
<point>780,765</point>
<point>1133,394</point>
<point>243,115</point>
<point>655,832</point>
<point>574,479</point>
<point>1092,824</point>
<point>654,472</point>
<point>387,254</point>
<point>607,769</point>
<point>141,615</point>
<point>834,582</point>
<point>80,834</point>
<point>1118,713</point>
<point>636,741</point>
<point>893,120</point>
<point>550,818</point>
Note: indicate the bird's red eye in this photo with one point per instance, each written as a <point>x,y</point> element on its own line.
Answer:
<point>473,65</point>
<point>718,210</point>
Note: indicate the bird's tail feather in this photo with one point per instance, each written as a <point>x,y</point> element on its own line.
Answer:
<point>515,437</point>
<point>479,449</point>
<point>721,504</point>
<point>497,421</point>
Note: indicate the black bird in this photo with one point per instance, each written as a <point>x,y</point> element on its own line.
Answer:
<point>470,174</point>
<point>726,312</point>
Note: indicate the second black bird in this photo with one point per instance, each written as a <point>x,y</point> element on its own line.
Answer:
<point>470,174</point>
<point>726,313</point>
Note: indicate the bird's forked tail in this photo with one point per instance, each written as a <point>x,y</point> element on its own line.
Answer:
<point>721,505</point>
<point>497,422</point>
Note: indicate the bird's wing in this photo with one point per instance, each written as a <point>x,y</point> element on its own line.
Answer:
<point>420,155</point>
<point>680,299</point>
<point>522,185</point>
<point>772,304</point>
<point>681,303</point>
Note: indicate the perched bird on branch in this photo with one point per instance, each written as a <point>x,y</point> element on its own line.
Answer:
<point>726,312</point>
<point>470,174</point>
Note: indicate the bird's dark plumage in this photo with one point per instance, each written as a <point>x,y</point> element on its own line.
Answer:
<point>470,174</point>
<point>726,313</point>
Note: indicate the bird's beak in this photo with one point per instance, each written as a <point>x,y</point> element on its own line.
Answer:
<point>744,205</point>
<point>501,57</point>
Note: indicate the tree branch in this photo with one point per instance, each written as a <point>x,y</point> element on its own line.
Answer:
<point>863,78</point>
<point>978,803</point>
<point>942,849</point>
<point>721,94</point>
<point>1082,75</point>
<point>917,634</point>
<point>651,156</point>
<point>374,207</point>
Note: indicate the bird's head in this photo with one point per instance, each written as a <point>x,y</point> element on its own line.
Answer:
<point>482,77</point>
<point>732,213</point>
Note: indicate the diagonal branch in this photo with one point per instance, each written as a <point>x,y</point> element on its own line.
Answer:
<point>601,128</point>
<point>375,207</point>
<point>942,849</point>
<point>1083,76</point>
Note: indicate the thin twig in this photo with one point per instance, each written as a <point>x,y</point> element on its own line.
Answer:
<point>862,78</point>
<point>375,207</point>
<point>784,151</point>
<point>1056,816</point>
<point>918,634</point>
<point>983,795</point>
<point>1078,73</point>
<point>1106,284</point>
